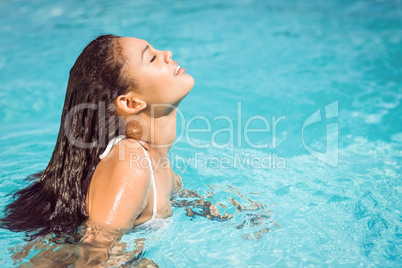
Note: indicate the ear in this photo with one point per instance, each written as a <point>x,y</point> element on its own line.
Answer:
<point>129,104</point>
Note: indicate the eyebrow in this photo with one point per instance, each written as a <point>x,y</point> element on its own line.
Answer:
<point>145,49</point>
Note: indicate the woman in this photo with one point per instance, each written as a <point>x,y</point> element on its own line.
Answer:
<point>117,126</point>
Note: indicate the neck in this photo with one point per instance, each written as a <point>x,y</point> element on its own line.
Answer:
<point>161,134</point>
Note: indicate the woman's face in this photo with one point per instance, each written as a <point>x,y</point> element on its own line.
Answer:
<point>155,73</point>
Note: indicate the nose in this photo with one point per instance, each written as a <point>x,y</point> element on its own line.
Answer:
<point>167,56</point>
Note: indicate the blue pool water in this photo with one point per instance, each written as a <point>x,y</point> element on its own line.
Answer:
<point>331,188</point>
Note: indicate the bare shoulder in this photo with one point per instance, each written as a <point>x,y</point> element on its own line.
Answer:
<point>126,160</point>
<point>120,188</point>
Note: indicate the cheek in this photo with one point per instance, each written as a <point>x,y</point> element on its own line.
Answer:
<point>160,82</point>
<point>161,91</point>
<point>163,87</point>
<point>158,79</point>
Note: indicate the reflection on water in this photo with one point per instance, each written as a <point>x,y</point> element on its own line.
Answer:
<point>93,246</point>
<point>250,216</point>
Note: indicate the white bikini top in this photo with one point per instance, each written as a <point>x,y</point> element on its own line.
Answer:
<point>109,147</point>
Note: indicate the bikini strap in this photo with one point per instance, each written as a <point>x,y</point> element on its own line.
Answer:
<point>110,145</point>
<point>154,212</point>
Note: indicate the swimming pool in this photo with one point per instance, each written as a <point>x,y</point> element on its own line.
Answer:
<point>324,77</point>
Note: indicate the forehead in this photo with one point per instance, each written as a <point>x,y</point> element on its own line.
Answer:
<point>133,47</point>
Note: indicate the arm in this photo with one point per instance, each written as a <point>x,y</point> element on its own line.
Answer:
<point>113,211</point>
<point>119,195</point>
<point>118,198</point>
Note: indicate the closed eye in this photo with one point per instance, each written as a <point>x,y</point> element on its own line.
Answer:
<point>153,58</point>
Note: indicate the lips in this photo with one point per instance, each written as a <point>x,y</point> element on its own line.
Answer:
<point>178,70</point>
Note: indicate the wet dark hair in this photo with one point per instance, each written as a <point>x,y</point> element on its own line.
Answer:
<point>56,202</point>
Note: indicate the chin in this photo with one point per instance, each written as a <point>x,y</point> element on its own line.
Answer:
<point>190,83</point>
<point>186,91</point>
